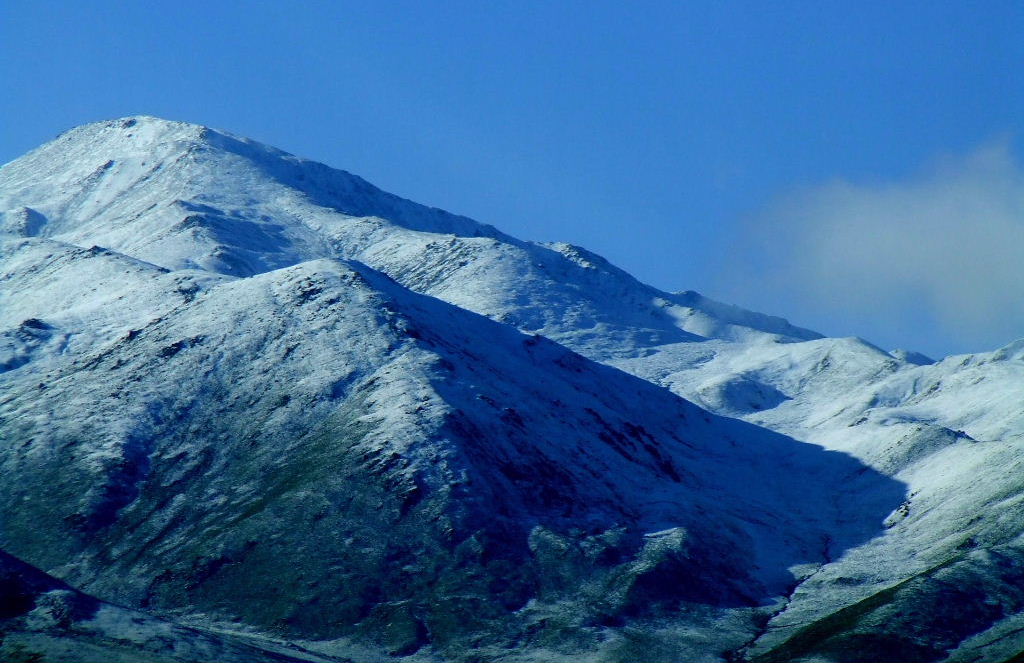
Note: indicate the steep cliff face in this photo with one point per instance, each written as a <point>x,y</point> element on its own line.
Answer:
<point>251,391</point>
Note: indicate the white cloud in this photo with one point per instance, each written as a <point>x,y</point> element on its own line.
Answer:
<point>943,249</point>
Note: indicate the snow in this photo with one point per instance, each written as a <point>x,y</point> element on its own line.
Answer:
<point>180,298</point>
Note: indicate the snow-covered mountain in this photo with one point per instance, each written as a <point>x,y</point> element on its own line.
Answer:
<point>187,197</point>
<point>254,394</point>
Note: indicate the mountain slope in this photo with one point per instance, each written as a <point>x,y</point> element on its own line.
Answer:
<point>414,474</point>
<point>184,196</point>
<point>43,619</point>
<point>190,318</point>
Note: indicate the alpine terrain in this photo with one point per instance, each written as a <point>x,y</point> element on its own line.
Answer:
<point>254,408</point>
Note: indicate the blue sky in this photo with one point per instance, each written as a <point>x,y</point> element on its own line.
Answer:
<point>695,144</point>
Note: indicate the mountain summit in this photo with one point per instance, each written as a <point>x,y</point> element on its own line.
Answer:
<point>305,418</point>
<point>184,196</point>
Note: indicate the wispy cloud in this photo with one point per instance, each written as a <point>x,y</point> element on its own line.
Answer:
<point>937,259</point>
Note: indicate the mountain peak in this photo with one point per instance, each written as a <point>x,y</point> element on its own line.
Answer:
<point>141,131</point>
<point>184,195</point>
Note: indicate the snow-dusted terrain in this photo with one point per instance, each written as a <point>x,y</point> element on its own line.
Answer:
<point>301,417</point>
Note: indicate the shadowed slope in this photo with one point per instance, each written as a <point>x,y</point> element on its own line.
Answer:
<point>43,619</point>
<point>321,451</point>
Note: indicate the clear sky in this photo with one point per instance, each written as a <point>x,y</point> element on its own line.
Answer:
<point>771,154</point>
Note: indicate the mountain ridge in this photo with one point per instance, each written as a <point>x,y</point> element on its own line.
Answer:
<point>190,317</point>
<point>122,510</point>
<point>197,214</point>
